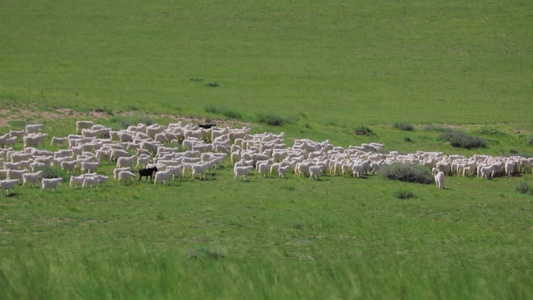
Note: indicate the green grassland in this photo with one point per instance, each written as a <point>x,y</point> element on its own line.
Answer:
<point>325,68</point>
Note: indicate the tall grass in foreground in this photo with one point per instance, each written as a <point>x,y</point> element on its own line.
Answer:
<point>145,273</point>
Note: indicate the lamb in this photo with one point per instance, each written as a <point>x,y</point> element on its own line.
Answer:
<point>241,171</point>
<point>51,183</point>
<point>31,177</point>
<point>439,178</point>
<point>8,184</point>
<point>148,172</point>
<point>163,176</point>
<point>282,170</point>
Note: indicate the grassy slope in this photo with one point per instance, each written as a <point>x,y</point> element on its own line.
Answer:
<point>355,61</point>
<point>335,65</point>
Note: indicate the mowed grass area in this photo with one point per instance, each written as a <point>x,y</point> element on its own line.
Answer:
<point>326,68</point>
<point>350,61</point>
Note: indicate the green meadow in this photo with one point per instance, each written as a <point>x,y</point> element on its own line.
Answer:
<point>322,70</point>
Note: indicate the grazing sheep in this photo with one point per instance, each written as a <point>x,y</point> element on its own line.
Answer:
<point>118,170</point>
<point>16,174</point>
<point>124,162</point>
<point>485,172</point>
<point>148,172</point>
<point>32,128</point>
<point>125,176</point>
<point>58,141</point>
<point>51,183</point>
<point>89,181</point>
<point>83,125</point>
<point>316,171</point>
<point>8,184</point>
<point>87,166</point>
<point>241,171</point>
<point>163,176</point>
<point>31,177</point>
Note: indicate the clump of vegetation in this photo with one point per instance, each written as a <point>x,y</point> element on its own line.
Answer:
<point>407,172</point>
<point>403,126</point>
<point>488,131</point>
<point>271,119</point>
<point>530,140</point>
<point>55,172</point>
<point>212,84</point>
<point>222,110</point>
<point>461,139</point>
<point>363,130</point>
<point>404,194</point>
<point>407,139</point>
<point>434,127</point>
<point>523,187</point>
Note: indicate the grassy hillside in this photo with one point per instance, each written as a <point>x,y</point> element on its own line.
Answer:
<point>325,68</point>
<point>353,61</point>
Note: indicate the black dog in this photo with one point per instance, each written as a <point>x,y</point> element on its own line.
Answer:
<point>149,172</point>
<point>207,126</point>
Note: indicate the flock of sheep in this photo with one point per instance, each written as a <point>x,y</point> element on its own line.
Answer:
<point>178,150</point>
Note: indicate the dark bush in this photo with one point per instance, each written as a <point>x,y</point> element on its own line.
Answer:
<point>271,119</point>
<point>363,130</point>
<point>407,172</point>
<point>55,172</point>
<point>461,139</point>
<point>404,194</point>
<point>403,126</point>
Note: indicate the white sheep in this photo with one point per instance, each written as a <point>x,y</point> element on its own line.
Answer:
<point>316,171</point>
<point>485,172</point>
<point>16,174</point>
<point>32,128</point>
<point>51,183</point>
<point>83,125</point>
<point>439,178</point>
<point>124,162</point>
<point>8,184</point>
<point>126,176</point>
<point>89,181</point>
<point>31,177</point>
<point>58,141</point>
<point>118,170</point>
<point>241,171</point>
<point>163,176</point>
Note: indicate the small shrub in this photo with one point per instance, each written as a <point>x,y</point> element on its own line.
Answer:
<point>407,139</point>
<point>55,172</point>
<point>523,187</point>
<point>404,194</point>
<point>212,84</point>
<point>488,131</point>
<point>363,130</point>
<point>460,139</point>
<point>271,119</point>
<point>407,172</point>
<point>403,126</point>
